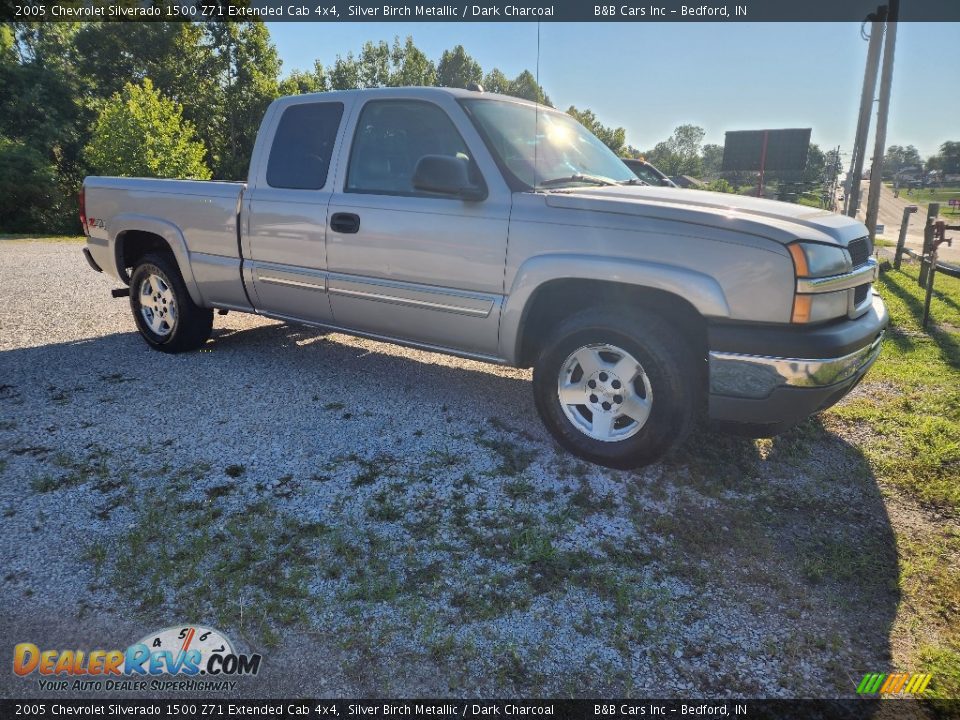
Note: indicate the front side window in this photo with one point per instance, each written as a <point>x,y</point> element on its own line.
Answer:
<point>543,147</point>
<point>644,172</point>
<point>391,137</point>
<point>303,145</point>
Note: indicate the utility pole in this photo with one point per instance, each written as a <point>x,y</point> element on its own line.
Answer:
<point>835,179</point>
<point>866,108</point>
<point>883,110</point>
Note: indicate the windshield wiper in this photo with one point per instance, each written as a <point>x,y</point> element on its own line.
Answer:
<point>578,177</point>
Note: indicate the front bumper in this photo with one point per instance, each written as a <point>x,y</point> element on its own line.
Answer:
<point>772,378</point>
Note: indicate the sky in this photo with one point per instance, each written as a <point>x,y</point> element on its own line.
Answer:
<point>650,78</point>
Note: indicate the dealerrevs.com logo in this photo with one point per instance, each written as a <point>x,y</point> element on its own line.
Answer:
<point>184,653</point>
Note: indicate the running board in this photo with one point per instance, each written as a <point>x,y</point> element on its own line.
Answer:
<point>120,292</point>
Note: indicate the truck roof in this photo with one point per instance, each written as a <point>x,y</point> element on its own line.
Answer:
<point>424,93</point>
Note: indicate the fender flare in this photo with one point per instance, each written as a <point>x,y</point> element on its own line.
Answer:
<point>126,222</point>
<point>700,290</point>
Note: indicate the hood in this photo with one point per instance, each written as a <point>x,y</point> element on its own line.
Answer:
<point>780,221</point>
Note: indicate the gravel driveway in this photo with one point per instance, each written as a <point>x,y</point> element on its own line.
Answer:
<point>386,522</point>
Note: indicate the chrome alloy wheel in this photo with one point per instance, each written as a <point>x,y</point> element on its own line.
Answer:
<point>157,305</point>
<point>604,392</point>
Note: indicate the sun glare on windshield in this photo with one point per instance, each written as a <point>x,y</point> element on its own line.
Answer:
<point>558,135</point>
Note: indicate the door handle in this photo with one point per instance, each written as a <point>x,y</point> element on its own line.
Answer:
<point>345,223</point>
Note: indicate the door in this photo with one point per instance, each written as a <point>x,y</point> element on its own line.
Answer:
<point>409,264</point>
<point>286,210</point>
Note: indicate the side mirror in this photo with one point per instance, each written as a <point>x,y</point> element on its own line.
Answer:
<point>446,175</point>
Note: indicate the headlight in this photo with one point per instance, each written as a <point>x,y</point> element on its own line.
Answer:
<point>815,260</point>
<point>823,306</point>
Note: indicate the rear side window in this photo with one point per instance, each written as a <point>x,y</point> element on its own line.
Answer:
<point>303,145</point>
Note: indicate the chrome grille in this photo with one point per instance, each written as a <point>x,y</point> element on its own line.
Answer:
<point>859,250</point>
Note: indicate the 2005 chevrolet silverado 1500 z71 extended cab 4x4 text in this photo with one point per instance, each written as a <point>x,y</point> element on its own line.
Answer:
<point>496,229</point>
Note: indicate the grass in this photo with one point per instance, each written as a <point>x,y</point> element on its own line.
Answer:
<point>246,570</point>
<point>371,469</point>
<point>514,458</point>
<point>75,471</point>
<point>944,665</point>
<point>810,201</point>
<point>916,418</point>
<point>485,599</point>
<point>384,508</point>
<point>923,197</point>
<point>913,419</point>
<point>43,237</point>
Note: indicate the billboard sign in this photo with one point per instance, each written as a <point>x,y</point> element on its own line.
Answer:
<point>768,150</point>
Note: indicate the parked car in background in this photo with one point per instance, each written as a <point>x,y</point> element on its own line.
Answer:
<point>387,213</point>
<point>648,173</point>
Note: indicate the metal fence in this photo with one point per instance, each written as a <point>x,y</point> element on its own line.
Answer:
<point>934,235</point>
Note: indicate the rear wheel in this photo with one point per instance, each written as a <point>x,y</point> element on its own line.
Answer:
<point>166,316</point>
<point>618,391</point>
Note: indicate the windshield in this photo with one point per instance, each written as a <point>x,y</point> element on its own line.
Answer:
<point>543,147</point>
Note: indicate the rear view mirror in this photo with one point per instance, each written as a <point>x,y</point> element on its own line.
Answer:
<point>446,175</point>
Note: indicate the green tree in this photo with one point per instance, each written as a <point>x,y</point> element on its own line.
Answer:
<point>300,82</point>
<point>950,152</point>
<point>175,56</point>
<point>246,68</point>
<point>613,138</point>
<point>374,65</point>
<point>345,73</point>
<point>496,82</point>
<point>712,160</point>
<point>948,159</point>
<point>43,122</point>
<point>141,133</point>
<point>816,171</point>
<point>380,65</point>
<point>411,67</point>
<point>680,154</point>
<point>28,188</point>
<point>898,158</point>
<point>525,86</point>
<point>457,69</point>
<point>179,58</point>
<point>721,185</point>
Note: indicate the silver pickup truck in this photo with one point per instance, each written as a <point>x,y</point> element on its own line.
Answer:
<point>496,229</point>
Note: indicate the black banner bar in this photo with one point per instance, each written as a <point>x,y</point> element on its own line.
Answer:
<point>851,709</point>
<point>472,11</point>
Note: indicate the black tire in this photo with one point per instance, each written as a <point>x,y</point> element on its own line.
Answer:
<point>670,367</point>
<point>190,325</point>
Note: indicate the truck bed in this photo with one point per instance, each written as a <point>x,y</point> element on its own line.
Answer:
<point>199,219</point>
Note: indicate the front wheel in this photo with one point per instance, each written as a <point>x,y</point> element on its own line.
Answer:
<point>166,316</point>
<point>617,391</point>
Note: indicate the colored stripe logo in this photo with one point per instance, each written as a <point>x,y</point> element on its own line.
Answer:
<point>884,684</point>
